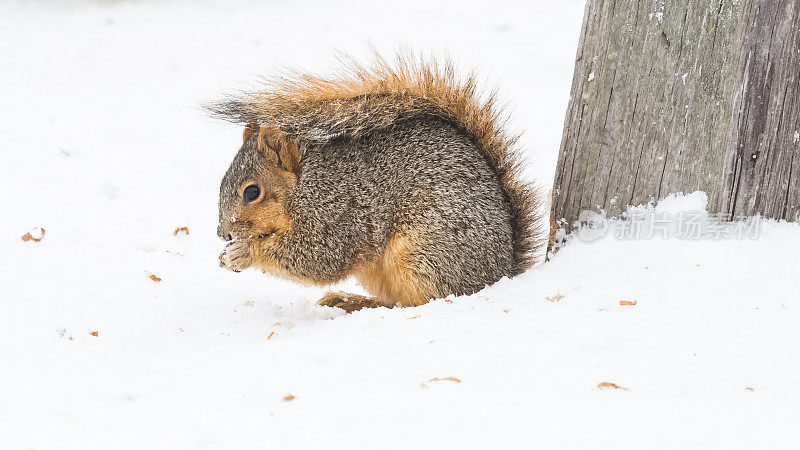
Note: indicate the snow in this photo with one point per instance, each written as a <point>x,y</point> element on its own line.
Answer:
<point>103,146</point>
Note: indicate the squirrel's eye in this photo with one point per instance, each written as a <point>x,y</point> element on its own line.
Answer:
<point>251,193</point>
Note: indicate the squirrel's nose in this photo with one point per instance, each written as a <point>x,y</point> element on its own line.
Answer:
<point>222,232</point>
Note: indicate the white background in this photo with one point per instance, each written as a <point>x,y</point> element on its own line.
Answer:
<point>103,144</point>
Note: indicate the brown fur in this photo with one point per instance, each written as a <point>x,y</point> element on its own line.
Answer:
<point>265,218</point>
<point>391,276</point>
<point>249,130</point>
<point>285,148</point>
<point>366,98</point>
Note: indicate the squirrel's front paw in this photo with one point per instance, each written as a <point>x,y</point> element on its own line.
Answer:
<point>236,256</point>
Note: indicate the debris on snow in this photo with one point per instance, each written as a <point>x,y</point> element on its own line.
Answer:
<point>153,276</point>
<point>605,385</point>
<point>36,235</point>
<point>554,298</point>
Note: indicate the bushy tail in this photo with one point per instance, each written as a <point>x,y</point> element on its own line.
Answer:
<point>362,98</point>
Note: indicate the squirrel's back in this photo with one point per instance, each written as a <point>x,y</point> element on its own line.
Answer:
<point>397,162</point>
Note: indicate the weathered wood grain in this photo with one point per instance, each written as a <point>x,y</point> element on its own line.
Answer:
<point>762,165</point>
<point>675,96</point>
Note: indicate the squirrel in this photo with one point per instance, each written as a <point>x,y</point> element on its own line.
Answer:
<point>398,174</point>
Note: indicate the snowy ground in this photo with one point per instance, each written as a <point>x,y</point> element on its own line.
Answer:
<point>102,144</point>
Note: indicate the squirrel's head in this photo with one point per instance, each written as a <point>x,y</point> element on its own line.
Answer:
<point>257,187</point>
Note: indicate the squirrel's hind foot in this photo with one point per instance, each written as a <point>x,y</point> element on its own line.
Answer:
<point>350,302</point>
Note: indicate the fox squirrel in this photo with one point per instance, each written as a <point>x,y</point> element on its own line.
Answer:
<point>397,174</point>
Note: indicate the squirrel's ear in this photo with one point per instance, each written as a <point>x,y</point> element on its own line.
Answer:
<point>275,143</point>
<point>249,130</point>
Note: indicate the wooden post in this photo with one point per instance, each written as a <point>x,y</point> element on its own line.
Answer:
<point>678,95</point>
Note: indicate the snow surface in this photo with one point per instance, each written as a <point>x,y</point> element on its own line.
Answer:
<point>103,146</point>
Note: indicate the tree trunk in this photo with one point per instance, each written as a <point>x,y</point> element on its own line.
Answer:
<point>681,95</point>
